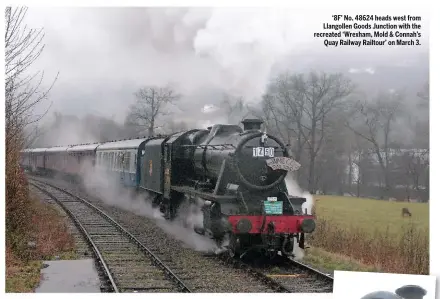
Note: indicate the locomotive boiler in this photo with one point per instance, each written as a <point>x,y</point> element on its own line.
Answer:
<point>240,176</point>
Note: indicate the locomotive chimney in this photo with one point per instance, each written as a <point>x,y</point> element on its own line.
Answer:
<point>411,292</point>
<point>252,124</point>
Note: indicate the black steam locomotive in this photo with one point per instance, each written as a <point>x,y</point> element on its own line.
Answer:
<point>237,176</point>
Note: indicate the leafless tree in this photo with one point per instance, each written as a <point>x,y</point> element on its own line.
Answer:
<point>301,108</point>
<point>359,159</point>
<point>421,125</point>
<point>284,107</point>
<point>319,96</point>
<point>413,165</point>
<point>424,96</point>
<point>23,90</point>
<point>375,122</point>
<point>151,103</point>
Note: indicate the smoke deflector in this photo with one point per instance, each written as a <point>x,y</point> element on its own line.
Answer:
<point>405,292</point>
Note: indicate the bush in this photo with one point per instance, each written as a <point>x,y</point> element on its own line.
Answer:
<point>18,212</point>
<point>409,255</point>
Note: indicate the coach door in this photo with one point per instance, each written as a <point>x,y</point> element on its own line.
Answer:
<point>167,171</point>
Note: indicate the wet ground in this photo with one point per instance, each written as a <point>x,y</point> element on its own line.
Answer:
<point>69,276</point>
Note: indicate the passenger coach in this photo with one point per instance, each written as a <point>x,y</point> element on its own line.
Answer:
<point>121,160</point>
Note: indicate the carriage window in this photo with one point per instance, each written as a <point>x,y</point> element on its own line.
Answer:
<point>127,160</point>
<point>121,160</point>
<point>118,160</point>
<point>168,153</point>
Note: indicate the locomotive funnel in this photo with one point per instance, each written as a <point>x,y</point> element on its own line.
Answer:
<point>411,292</point>
<point>252,124</point>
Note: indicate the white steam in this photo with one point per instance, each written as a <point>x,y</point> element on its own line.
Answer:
<point>98,183</point>
<point>297,251</point>
<point>228,49</point>
<point>294,190</point>
<point>245,44</point>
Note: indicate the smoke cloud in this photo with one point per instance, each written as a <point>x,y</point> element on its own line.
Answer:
<point>110,52</point>
<point>294,190</point>
<point>98,183</point>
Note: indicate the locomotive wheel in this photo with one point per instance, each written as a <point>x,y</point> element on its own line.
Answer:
<point>156,201</point>
<point>232,253</point>
<point>233,246</point>
<point>271,254</point>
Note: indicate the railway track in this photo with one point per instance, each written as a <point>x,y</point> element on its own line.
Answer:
<point>294,276</point>
<point>284,276</point>
<point>124,263</point>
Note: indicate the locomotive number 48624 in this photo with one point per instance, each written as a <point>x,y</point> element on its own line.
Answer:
<point>263,152</point>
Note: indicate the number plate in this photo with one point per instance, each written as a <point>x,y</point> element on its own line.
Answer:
<point>263,152</point>
<point>273,207</point>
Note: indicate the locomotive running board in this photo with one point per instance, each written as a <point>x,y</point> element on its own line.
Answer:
<point>204,195</point>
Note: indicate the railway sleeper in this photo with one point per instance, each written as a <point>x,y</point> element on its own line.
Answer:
<point>150,283</point>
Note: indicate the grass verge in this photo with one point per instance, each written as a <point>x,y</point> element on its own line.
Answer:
<point>387,243</point>
<point>52,240</point>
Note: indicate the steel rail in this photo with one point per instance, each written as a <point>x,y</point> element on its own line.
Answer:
<point>86,234</point>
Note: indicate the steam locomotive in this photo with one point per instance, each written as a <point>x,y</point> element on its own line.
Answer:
<point>236,176</point>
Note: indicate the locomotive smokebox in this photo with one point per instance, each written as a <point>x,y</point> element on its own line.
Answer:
<point>411,292</point>
<point>252,124</point>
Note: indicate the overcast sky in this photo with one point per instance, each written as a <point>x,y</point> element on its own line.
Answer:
<point>105,54</point>
<point>355,285</point>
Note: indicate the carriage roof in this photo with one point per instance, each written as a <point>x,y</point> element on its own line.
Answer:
<point>38,150</point>
<point>56,149</point>
<point>83,147</point>
<point>121,144</point>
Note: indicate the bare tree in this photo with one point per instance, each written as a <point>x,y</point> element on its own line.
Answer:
<point>284,106</point>
<point>23,90</point>
<point>360,162</point>
<point>319,96</point>
<point>151,103</point>
<point>301,109</point>
<point>376,121</point>
<point>424,96</point>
